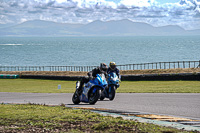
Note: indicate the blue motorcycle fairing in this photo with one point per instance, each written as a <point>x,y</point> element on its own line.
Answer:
<point>113,78</point>
<point>98,82</point>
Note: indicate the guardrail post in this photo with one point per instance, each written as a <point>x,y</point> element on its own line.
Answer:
<point>189,64</point>
<point>178,65</point>
<point>198,65</point>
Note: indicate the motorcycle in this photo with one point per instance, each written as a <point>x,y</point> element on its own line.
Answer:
<point>113,84</point>
<point>90,92</point>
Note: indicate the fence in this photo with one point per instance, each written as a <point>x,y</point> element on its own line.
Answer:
<point>46,68</point>
<point>161,65</point>
<point>142,66</point>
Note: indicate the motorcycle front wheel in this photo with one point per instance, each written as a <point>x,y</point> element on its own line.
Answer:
<point>75,98</point>
<point>112,93</point>
<point>93,96</point>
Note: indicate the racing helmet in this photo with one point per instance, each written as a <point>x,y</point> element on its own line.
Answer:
<point>112,65</point>
<point>103,67</point>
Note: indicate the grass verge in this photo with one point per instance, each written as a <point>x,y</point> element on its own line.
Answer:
<point>51,86</point>
<point>39,118</point>
<point>159,87</point>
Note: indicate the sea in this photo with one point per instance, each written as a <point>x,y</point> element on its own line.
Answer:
<point>91,51</point>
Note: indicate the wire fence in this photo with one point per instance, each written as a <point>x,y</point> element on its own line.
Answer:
<point>141,66</point>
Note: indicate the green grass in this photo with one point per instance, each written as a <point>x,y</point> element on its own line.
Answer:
<point>51,86</point>
<point>36,86</point>
<point>39,118</point>
<point>159,87</point>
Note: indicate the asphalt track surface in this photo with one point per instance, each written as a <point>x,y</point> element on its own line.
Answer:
<point>174,104</point>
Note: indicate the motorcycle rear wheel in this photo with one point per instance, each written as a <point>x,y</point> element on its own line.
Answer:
<point>93,97</point>
<point>75,98</point>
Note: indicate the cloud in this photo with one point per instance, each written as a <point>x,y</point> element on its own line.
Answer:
<point>138,3</point>
<point>186,13</point>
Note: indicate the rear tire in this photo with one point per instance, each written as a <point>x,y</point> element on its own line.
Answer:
<point>112,93</point>
<point>75,98</point>
<point>93,97</point>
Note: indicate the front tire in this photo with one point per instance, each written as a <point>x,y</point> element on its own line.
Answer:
<point>112,93</point>
<point>75,98</point>
<point>93,96</point>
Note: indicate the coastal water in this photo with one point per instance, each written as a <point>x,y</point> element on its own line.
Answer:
<point>84,51</point>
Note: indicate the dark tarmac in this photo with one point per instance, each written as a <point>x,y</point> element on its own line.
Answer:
<point>174,104</point>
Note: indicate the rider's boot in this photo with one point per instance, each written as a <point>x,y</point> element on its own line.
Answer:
<point>80,87</point>
<point>79,90</point>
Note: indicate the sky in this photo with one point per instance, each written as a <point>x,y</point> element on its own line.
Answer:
<point>159,1</point>
<point>185,13</point>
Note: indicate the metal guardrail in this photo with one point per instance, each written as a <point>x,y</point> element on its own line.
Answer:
<point>142,66</point>
<point>161,65</point>
<point>47,68</point>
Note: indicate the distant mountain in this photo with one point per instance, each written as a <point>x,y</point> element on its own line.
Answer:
<point>5,25</point>
<point>40,28</point>
<point>121,27</point>
<point>97,28</point>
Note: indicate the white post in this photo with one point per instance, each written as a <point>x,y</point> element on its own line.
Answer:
<point>59,86</point>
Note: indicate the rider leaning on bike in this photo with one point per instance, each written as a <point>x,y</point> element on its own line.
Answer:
<point>113,68</point>
<point>101,69</point>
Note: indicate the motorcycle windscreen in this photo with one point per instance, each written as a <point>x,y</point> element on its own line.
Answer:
<point>112,78</point>
<point>102,80</point>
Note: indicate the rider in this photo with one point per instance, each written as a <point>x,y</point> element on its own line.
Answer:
<point>101,69</point>
<point>113,68</point>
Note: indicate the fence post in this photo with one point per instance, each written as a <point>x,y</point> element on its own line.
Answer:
<point>160,64</point>
<point>198,65</point>
<point>189,64</point>
<point>164,65</point>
